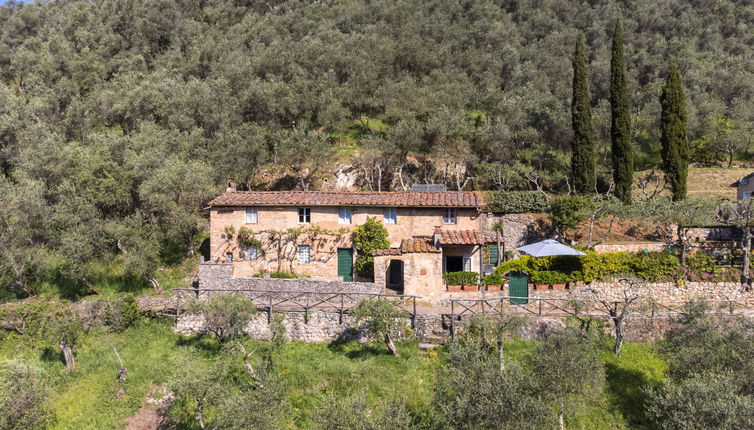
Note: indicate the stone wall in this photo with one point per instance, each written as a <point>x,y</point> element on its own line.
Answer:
<point>220,276</point>
<point>520,229</point>
<point>659,291</point>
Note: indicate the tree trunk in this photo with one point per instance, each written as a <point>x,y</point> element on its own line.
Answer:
<point>682,245</point>
<point>500,356</point>
<point>747,257</point>
<point>200,413</point>
<point>618,335</point>
<point>70,362</point>
<point>561,416</point>
<point>390,345</point>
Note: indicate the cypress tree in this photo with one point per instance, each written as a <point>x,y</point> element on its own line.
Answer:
<point>675,144</point>
<point>622,148</point>
<point>582,158</point>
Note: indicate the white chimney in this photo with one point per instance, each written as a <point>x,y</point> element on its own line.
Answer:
<point>231,186</point>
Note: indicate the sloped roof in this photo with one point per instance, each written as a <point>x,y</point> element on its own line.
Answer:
<point>418,244</point>
<point>462,237</point>
<point>470,199</point>
<point>738,182</point>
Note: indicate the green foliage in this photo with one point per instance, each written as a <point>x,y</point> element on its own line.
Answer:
<point>460,278</point>
<point>246,238</point>
<point>122,313</point>
<point>568,211</point>
<point>568,368</point>
<point>517,202</point>
<point>700,402</point>
<point>549,277</point>
<point>620,130</point>
<point>494,278</point>
<point>355,412</point>
<point>582,156</point>
<point>368,237</point>
<point>675,145</point>
<point>653,267</point>
<point>701,262</point>
<point>24,396</point>
<point>225,315</point>
<point>47,323</point>
<point>379,316</point>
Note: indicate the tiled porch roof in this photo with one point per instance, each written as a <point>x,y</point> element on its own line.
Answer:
<point>389,251</point>
<point>436,199</point>
<point>418,244</point>
<point>462,237</point>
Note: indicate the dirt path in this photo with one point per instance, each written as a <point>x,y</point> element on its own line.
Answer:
<point>153,413</point>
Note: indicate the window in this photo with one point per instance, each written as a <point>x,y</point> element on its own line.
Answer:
<point>251,215</point>
<point>229,257</point>
<point>304,254</point>
<point>390,216</point>
<point>344,215</point>
<point>746,195</point>
<point>304,215</point>
<point>449,216</point>
<point>252,253</point>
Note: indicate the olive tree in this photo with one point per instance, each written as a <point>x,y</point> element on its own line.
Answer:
<point>225,315</point>
<point>24,396</point>
<point>381,318</point>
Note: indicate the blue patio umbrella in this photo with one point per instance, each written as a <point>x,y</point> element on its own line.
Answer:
<point>548,248</point>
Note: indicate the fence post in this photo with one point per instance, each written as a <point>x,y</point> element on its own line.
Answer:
<point>177,307</point>
<point>269,312</point>
<point>341,310</point>
<point>539,312</point>
<point>413,315</point>
<point>452,320</point>
<point>730,305</point>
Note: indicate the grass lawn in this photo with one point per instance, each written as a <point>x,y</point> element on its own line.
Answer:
<point>151,352</point>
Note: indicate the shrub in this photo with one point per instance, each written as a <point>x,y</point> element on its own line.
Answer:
<point>601,266</point>
<point>568,211</point>
<point>277,275</point>
<point>701,262</point>
<point>368,237</point>
<point>122,313</point>
<point>515,202</point>
<point>460,278</point>
<point>576,275</point>
<point>522,264</point>
<point>493,279</point>
<point>549,277</point>
<point>24,395</point>
<point>653,266</point>
<point>225,315</point>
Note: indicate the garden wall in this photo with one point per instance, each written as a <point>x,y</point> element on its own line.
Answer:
<point>658,291</point>
<point>220,276</point>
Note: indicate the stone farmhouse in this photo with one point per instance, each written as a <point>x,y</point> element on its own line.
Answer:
<point>744,187</point>
<point>309,233</point>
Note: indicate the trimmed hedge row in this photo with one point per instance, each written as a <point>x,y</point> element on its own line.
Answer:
<point>461,278</point>
<point>516,202</point>
<point>650,266</point>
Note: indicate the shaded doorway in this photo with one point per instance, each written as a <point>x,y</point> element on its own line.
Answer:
<point>394,278</point>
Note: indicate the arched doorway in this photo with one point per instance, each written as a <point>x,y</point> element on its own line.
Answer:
<point>394,276</point>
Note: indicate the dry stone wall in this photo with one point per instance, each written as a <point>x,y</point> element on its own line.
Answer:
<point>220,276</point>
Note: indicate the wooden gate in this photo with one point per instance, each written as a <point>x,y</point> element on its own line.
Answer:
<point>518,286</point>
<point>345,264</point>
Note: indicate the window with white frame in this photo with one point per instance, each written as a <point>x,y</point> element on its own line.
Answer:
<point>304,215</point>
<point>390,216</point>
<point>344,215</point>
<point>449,216</point>
<point>304,254</point>
<point>251,215</point>
<point>746,195</point>
<point>252,253</point>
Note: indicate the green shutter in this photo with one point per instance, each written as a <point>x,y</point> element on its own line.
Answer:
<point>518,286</point>
<point>345,264</point>
<point>493,253</point>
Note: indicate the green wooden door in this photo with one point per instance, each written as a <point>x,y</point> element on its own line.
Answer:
<point>493,253</point>
<point>518,286</point>
<point>345,264</point>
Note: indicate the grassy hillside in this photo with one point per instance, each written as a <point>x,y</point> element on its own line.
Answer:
<point>152,352</point>
<point>706,182</point>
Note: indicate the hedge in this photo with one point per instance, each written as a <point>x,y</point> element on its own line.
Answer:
<point>461,278</point>
<point>517,202</point>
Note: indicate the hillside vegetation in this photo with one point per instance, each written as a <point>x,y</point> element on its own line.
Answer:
<point>119,120</point>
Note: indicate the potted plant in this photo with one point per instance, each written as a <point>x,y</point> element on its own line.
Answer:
<point>558,280</point>
<point>452,281</point>
<point>576,279</point>
<point>540,280</point>
<point>456,281</point>
<point>493,281</point>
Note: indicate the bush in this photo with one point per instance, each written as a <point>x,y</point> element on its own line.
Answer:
<point>602,266</point>
<point>567,212</point>
<point>516,202</point>
<point>460,278</point>
<point>368,237</point>
<point>522,264</point>
<point>24,395</point>
<point>653,266</point>
<point>701,262</point>
<point>549,277</point>
<point>225,315</point>
<point>122,313</point>
<point>494,279</point>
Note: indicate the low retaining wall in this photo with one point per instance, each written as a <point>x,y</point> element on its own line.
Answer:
<point>658,291</point>
<point>220,276</point>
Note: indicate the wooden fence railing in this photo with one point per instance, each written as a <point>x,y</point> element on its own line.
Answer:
<point>584,308</point>
<point>297,301</point>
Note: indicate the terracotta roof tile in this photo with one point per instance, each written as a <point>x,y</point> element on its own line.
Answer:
<point>462,237</point>
<point>470,199</point>
<point>418,244</point>
<point>389,251</point>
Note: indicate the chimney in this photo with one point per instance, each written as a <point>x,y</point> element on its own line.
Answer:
<point>231,186</point>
